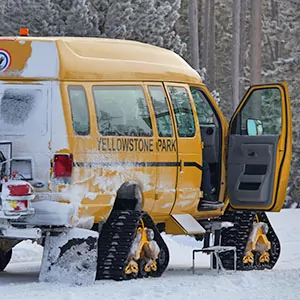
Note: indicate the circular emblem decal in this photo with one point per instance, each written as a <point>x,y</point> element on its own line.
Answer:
<point>5,60</point>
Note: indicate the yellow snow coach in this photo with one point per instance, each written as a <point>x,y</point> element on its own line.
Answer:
<point>107,143</point>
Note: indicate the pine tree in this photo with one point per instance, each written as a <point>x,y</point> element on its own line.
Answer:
<point>149,21</point>
<point>287,68</point>
<point>38,17</point>
<point>75,18</point>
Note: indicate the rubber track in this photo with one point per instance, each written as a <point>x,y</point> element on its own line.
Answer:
<point>4,259</point>
<point>115,241</point>
<point>238,236</point>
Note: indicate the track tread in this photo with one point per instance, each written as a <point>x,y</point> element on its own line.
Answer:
<point>115,242</point>
<point>238,236</point>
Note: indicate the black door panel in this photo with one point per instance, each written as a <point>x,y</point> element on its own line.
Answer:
<point>210,137</point>
<point>251,169</point>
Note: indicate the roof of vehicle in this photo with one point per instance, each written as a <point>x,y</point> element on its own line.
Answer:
<point>97,59</point>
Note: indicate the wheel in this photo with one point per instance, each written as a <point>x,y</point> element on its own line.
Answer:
<point>134,268</point>
<point>4,259</point>
<point>161,260</point>
<point>142,272</point>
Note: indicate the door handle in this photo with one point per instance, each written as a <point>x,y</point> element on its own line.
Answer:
<point>180,166</point>
<point>252,154</point>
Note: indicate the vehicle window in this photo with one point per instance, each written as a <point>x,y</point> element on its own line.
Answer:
<point>122,111</point>
<point>79,110</point>
<point>206,115</point>
<point>263,108</point>
<point>22,111</point>
<point>183,111</point>
<point>161,109</point>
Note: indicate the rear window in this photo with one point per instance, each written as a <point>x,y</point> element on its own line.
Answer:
<point>122,111</point>
<point>22,111</point>
<point>79,110</point>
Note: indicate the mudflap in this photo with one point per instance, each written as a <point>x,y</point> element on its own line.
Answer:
<point>70,257</point>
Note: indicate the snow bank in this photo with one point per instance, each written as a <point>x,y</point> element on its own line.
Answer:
<point>20,281</point>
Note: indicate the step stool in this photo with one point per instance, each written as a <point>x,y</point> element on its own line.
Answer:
<point>215,250</point>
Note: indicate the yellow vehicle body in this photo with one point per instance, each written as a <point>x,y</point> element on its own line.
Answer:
<point>89,62</point>
<point>121,125</point>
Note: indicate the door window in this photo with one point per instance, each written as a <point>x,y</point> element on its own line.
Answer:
<point>261,114</point>
<point>206,115</point>
<point>162,114</point>
<point>183,111</point>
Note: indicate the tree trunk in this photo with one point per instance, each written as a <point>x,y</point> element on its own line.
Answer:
<point>255,42</point>
<point>275,17</point>
<point>243,60</point>
<point>236,53</point>
<point>193,33</point>
<point>200,32</point>
<point>205,35</point>
<point>211,47</point>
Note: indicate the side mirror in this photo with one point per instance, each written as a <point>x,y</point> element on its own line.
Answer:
<point>254,127</point>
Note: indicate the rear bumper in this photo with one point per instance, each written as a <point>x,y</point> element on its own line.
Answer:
<point>21,233</point>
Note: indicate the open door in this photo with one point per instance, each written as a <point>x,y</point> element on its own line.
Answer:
<point>260,149</point>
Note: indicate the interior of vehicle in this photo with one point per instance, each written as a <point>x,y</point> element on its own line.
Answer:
<point>211,134</point>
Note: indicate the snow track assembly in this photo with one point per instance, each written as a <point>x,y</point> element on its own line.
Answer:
<point>263,255</point>
<point>123,253</point>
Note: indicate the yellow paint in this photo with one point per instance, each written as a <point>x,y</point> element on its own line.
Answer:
<point>20,52</point>
<point>248,258</point>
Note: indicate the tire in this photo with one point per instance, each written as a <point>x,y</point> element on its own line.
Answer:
<point>4,259</point>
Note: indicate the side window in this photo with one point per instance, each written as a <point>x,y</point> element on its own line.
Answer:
<point>206,115</point>
<point>162,114</point>
<point>79,110</point>
<point>122,111</point>
<point>183,111</point>
<point>261,115</point>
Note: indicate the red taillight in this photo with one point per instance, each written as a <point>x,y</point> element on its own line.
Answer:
<point>62,166</point>
<point>19,190</point>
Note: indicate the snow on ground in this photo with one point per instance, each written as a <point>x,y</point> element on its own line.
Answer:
<point>20,280</point>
